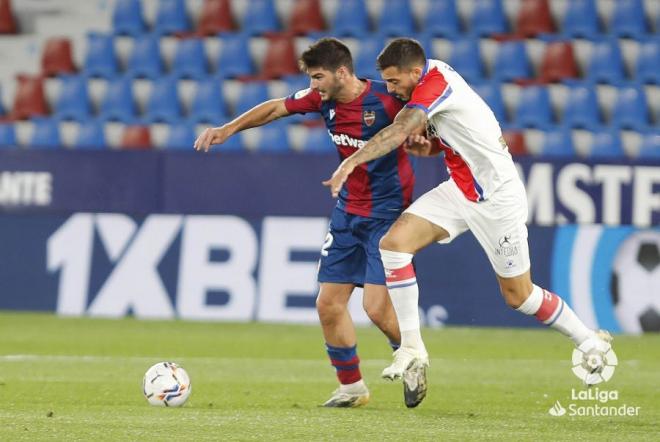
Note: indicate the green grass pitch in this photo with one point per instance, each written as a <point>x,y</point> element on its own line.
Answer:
<point>80,379</point>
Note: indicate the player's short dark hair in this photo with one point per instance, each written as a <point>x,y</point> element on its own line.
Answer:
<point>402,53</point>
<point>327,53</point>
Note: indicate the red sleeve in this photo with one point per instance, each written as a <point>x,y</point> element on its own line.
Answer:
<point>303,101</point>
<point>431,92</point>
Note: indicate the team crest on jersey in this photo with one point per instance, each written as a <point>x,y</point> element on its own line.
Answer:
<point>369,117</point>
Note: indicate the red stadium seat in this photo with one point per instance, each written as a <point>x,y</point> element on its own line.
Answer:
<point>516,142</point>
<point>306,17</point>
<point>57,57</point>
<point>29,99</point>
<point>7,20</point>
<point>136,137</point>
<point>280,59</point>
<point>558,62</point>
<point>534,18</point>
<point>216,17</point>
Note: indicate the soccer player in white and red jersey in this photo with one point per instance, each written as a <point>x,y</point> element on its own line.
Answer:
<point>483,194</point>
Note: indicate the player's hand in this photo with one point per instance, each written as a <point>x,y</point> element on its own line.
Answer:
<point>210,136</point>
<point>417,145</point>
<point>339,177</point>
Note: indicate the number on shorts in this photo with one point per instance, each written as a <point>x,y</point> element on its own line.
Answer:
<point>326,244</point>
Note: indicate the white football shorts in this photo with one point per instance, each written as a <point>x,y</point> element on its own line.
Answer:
<point>498,223</point>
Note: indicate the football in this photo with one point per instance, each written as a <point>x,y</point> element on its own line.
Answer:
<point>166,384</point>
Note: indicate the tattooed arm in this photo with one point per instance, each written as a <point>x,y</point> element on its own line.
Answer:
<point>407,122</point>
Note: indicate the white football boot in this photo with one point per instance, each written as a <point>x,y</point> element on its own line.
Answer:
<point>411,366</point>
<point>348,397</point>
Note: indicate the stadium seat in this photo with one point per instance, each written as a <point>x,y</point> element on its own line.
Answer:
<point>172,17</point>
<point>91,135</point>
<point>628,19</point>
<point>365,61</point>
<point>280,58</point>
<point>235,60</point>
<point>145,60</point>
<point>127,18</point>
<point>534,109</point>
<point>251,94</point>
<point>216,17</point>
<point>7,135</point>
<point>7,20</point>
<point>558,62</point>
<point>260,17</point>
<point>101,59</point>
<point>647,67</point>
<point>29,98</point>
<point>136,137</point>
<point>580,19</point>
<point>46,133</point>
<point>581,109</point>
<point>351,19</point>
<point>57,57</point>
<point>3,111</point>
<point>465,57</point>
<point>117,103</point>
<point>631,109</point>
<point>534,18</point>
<point>306,17</point>
<point>181,136</point>
<point>650,147</point>
<point>231,144</point>
<point>441,19</point>
<point>273,138</point>
<point>515,142</point>
<point>163,104</point>
<point>208,105</point>
<point>512,61</point>
<point>606,63</point>
<point>73,102</point>
<point>396,19</point>
<point>190,59</point>
<point>558,142</point>
<point>488,18</point>
<point>490,92</point>
<point>606,144</point>
<point>318,141</point>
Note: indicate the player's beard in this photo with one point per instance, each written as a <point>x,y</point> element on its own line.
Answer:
<point>332,91</point>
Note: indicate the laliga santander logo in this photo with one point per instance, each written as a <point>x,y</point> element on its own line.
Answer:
<point>594,364</point>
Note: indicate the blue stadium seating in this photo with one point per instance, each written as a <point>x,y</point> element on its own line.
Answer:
<point>441,19</point>
<point>127,18</point>
<point>351,19</point>
<point>101,59</point>
<point>558,142</point>
<point>73,102</point>
<point>396,19</point>
<point>190,59</point>
<point>231,144</point>
<point>534,109</point>
<point>91,135</point>
<point>606,144</point>
<point>208,104</point>
<point>581,19</point>
<point>46,133</point>
<point>181,135</point>
<point>628,19</point>
<point>365,61</point>
<point>488,18</point>
<point>274,138</point>
<point>163,104</point>
<point>2,107</point>
<point>512,61</point>
<point>647,68</point>
<point>318,141</point>
<point>7,136</point>
<point>172,17</point>
<point>118,104</point>
<point>606,63</point>
<point>492,95</point>
<point>650,147</point>
<point>631,108</point>
<point>145,60</point>
<point>260,17</point>
<point>251,94</point>
<point>235,59</point>
<point>581,108</point>
<point>466,58</point>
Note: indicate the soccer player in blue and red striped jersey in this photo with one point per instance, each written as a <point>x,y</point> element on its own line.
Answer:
<point>375,195</point>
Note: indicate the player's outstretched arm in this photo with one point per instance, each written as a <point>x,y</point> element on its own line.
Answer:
<point>259,115</point>
<point>407,122</point>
